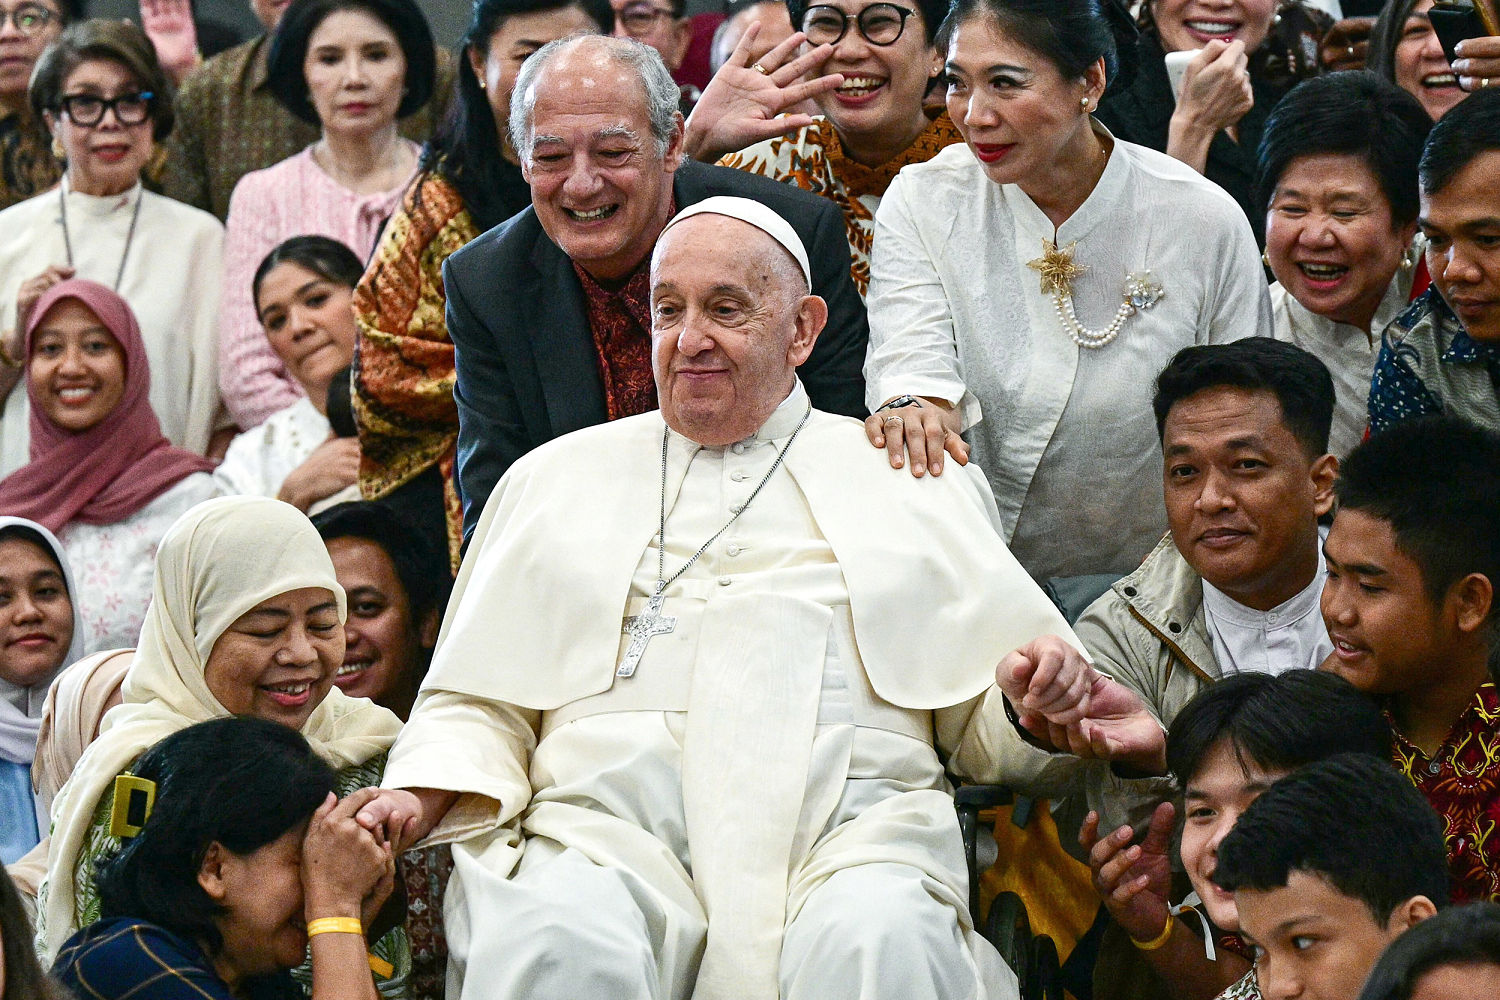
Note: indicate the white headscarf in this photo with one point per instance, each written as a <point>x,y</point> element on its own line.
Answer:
<point>21,707</point>
<point>221,558</point>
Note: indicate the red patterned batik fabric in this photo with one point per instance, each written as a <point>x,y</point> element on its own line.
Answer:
<point>620,320</point>
<point>1462,781</point>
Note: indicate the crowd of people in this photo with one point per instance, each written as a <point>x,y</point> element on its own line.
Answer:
<point>558,518</point>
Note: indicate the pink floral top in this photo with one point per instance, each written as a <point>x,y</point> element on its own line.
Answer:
<point>292,198</point>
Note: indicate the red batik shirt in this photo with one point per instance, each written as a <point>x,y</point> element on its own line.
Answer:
<point>620,320</point>
<point>1462,782</point>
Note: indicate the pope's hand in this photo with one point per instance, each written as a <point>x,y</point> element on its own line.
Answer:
<point>403,816</point>
<point>1048,681</point>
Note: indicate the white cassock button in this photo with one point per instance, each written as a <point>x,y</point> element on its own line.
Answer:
<point>723,581</point>
<point>736,508</point>
<point>738,447</point>
<point>739,477</point>
<point>734,550</point>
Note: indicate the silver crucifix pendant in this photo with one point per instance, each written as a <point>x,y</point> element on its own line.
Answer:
<point>641,628</point>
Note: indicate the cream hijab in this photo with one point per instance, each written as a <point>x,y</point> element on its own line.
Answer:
<point>221,558</point>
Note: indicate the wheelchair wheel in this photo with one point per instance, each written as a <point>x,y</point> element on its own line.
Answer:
<point>1008,928</point>
<point>1044,972</point>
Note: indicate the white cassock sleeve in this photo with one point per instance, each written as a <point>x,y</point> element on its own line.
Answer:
<point>480,749</point>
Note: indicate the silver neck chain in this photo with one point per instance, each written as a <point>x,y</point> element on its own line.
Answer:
<point>135,216</point>
<point>663,581</point>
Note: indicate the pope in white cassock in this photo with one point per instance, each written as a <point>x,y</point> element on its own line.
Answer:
<point>687,722</point>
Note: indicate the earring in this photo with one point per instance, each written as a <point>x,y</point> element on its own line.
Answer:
<point>58,153</point>
<point>1264,259</point>
<point>480,80</point>
<point>1407,263</point>
<point>1083,102</point>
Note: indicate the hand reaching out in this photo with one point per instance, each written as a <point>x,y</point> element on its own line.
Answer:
<point>169,25</point>
<point>739,107</point>
<point>1134,881</point>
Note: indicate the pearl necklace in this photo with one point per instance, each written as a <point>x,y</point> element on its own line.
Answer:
<point>1058,269</point>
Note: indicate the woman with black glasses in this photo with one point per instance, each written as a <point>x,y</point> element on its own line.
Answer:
<point>873,123</point>
<point>103,96</point>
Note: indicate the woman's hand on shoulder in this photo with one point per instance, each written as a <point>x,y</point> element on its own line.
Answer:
<point>918,434</point>
<point>739,106</point>
<point>332,466</point>
<point>344,865</point>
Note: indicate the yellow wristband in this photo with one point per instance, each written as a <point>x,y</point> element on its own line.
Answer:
<point>1156,942</point>
<point>335,925</point>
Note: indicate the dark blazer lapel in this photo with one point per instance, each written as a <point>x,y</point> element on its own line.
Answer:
<point>561,344</point>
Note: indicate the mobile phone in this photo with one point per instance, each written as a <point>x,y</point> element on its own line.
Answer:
<point>1177,63</point>
<point>1455,20</point>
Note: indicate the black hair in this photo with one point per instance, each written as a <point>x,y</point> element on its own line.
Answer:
<point>327,258</point>
<point>421,566</point>
<point>932,11</point>
<point>1460,935</point>
<point>1300,382</point>
<point>1469,129</point>
<point>466,149</point>
<point>1385,35</point>
<point>1352,820</point>
<point>240,782</point>
<point>284,66</point>
<point>1434,480</point>
<point>1354,114</point>
<point>117,41</point>
<point>1278,723</point>
<point>24,978</point>
<point>1070,34</point>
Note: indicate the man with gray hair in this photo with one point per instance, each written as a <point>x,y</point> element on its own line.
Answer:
<point>686,724</point>
<point>549,311</point>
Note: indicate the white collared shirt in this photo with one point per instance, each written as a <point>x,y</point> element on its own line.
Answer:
<point>1291,636</point>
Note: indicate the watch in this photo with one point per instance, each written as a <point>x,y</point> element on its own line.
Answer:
<point>899,402</point>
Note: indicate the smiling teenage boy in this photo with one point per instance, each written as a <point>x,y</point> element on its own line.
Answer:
<point>1413,556</point>
<point>1328,866</point>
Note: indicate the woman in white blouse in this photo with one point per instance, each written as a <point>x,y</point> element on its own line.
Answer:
<point>303,292</point>
<point>106,100</point>
<point>1027,286</point>
<point>1338,179</point>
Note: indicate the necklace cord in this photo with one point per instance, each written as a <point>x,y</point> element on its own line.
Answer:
<point>135,216</point>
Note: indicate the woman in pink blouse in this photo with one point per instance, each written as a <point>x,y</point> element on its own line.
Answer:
<point>354,67</point>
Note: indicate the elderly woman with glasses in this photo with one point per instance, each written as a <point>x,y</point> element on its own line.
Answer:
<point>101,92</point>
<point>873,122</point>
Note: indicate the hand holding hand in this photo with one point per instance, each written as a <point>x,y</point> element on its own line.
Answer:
<point>397,816</point>
<point>1048,681</point>
<point>1134,882</point>
<point>345,868</point>
<point>922,433</point>
<point>333,465</point>
<point>1478,63</point>
<point>739,106</point>
<point>169,25</point>
<point>1216,90</point>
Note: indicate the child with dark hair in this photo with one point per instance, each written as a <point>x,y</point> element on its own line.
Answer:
<point>1413,557</point>
<point>1453,956</point>
<point>243,859</point>
<point>1327,867</point>
<point>1226,747</point>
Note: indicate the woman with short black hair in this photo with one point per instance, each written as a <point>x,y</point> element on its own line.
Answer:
<point>354,67</point>
<point>242,859</point>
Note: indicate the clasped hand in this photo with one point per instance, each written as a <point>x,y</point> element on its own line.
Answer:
<point>1066,704</point>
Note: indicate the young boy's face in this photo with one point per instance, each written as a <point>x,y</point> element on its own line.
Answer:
<point>1311,941</point>
<point>1458,982</point>
<point>1388,635</point>
<point>1216,794</point>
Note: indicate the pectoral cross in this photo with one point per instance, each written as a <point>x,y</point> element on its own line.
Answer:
<point>641,628</point>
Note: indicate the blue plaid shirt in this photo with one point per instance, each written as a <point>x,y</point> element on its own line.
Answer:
<point>125,957</point>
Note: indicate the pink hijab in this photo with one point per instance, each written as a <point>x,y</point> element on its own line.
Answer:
<point>113,469</point>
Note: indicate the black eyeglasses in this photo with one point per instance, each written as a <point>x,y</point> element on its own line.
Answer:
<point>30,19</point>
<point>879,23</point>
<point>88,109</point>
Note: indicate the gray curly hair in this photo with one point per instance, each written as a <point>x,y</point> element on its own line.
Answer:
<point>661,90</point>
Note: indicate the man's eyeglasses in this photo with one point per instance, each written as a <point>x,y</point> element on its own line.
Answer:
<point>640,20</point>
<point>30,19</point>
<point>879,23</point>
<point>88,109</point>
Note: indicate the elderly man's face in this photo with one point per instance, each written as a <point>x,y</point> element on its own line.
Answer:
<point>730,323</point>
<point>600,188</point>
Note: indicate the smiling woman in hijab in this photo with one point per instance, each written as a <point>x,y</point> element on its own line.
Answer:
<point>37,639</point>
<point>246,618</point>
<point>102,476</point>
